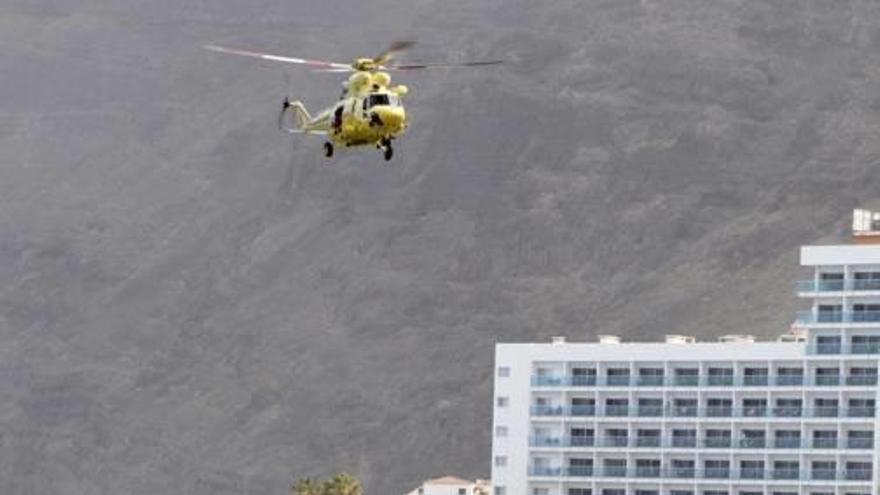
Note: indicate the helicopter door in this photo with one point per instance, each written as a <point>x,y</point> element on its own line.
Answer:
<point>337,118</point>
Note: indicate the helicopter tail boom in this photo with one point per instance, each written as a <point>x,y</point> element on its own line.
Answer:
<point>295,119</point>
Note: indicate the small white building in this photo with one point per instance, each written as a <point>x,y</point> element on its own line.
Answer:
<point>452,485</point>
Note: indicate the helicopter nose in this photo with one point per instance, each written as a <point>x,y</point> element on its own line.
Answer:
<point>391,117</point>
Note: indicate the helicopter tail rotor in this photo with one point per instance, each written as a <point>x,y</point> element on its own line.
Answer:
<point>293,117</point>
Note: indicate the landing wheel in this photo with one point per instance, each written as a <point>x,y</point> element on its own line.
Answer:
<point>388,150</point>
<point>328,149</point>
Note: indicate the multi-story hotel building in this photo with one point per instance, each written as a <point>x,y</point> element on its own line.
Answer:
<point>794,416</point>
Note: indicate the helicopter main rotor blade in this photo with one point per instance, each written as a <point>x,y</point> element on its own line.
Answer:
<point>318,64</point>
<point>392,51</point>
<point>443,65</point>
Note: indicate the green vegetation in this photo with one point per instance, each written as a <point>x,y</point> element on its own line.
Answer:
<point>341,484</point>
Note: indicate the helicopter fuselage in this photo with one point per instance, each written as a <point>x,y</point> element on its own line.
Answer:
<point>370,112</point>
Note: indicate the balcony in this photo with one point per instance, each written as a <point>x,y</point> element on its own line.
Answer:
<point>810,317</point>
<point>787,443</point>
<point>685,411</point>
<point>826,412</point>
<point>648,441</point>
<point>650,411</point>
<point>868,348</point>
<point>717,443</point>
<point>563,381</point>
<point>720,380</point>
<point>617,380</point>
<point>861,380</point>
<point>789,380</point>
<point>719,411</point>
<point>857,475</point>
<point>542,410</point>
<point>582,441</point>
<point>826,380</point>
<point>684,442</point>
<point>861,412</point>
<point>823,474</point>
<point>860,443</point>
<point>722,473</point>
<point>785,474</point>
<point>716,473</point>
<point>583,410</point>
<point>751,474</point>
<point>617,411</point>
<point>650,381</point>
<point>824,443</point>
<point>579,471</point>
<point>788,412</point>
<point>544,471</point>
<point>755,380</point>
<point>647,472</point>
<point>682,472</point>
<point>614,471</point>
<point>807,286</point>
<point>752,443</point>
<point>686,381</point>
<point>615,441</point>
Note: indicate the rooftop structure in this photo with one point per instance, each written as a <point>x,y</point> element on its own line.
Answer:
<point>794,416</point>
<point>452,485</point>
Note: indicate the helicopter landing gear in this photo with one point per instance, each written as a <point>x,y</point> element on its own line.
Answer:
<point>387,150</point>
<point>328,149</point>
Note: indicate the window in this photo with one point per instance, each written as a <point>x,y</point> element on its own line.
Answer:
<point>462,491</point>
<point>787,439</point>
<point>823,470</point>
<point>503,402</point>
<point>860,439</point>
<point>379,99</point>
<point>647,492</point>
<point>681,492</point>
<point>500,490</point>
<point>613,491</point>
<point>500,461</point>
<point>717,469</point>
<point>501,431</point>
<point>825,408</point>
<point>719,407</point>
<point>580,491</point>
<point>720,377</point>
<point>786,470</point>
<point>825,439</point>
<point>754,407</point>
<point>684,407</point>
<point>865,344</point>
<point>752,439</point>
<point>504,371</point>
<point>751,470</point>
<point>861,408</point>
<point>614,467</point>
<point>540,491</point>
<point>684,438</point>
<point>714,492</point>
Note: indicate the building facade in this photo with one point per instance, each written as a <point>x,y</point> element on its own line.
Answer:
<point>794,416</point>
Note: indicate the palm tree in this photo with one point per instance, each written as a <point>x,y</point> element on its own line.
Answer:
<point>341,484</point>
<point>307,486</point>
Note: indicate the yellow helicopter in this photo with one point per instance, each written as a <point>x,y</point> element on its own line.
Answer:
<point>370,110</point>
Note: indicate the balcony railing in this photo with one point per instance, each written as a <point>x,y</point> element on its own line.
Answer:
<point>837,285</point>
<point>810,317</point>
<point>707,412</point>
<point>860,443</point>
<point>859,475</point>
<point>824,443</point>
<point>861,380</point>
<point>691,442</point>
<point>717,443</point>
<point>719,381</point>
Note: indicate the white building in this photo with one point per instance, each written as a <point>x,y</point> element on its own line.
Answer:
<point>736,417</point>
<point>452,485</point>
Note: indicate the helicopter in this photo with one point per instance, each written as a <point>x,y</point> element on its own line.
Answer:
<point>370,110</point>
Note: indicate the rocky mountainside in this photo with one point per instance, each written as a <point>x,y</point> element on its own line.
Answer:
<point>191,302</point>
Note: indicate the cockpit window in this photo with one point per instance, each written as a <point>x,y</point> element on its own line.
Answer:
<point>379,99</point>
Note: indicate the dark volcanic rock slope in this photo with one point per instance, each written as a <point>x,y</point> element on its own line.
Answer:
<point>193,303</point>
